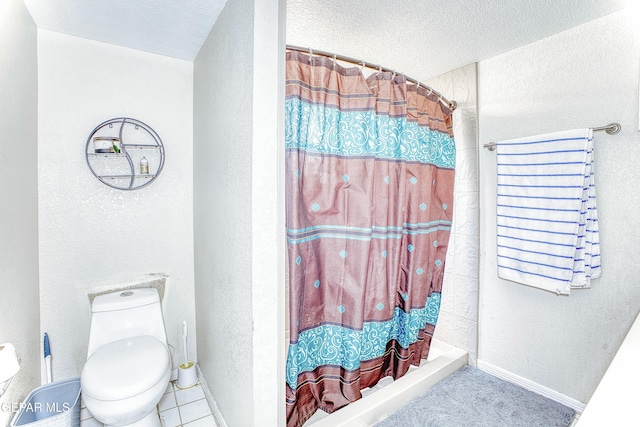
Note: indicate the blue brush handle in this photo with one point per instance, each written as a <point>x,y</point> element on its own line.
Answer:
<point>47,350</point>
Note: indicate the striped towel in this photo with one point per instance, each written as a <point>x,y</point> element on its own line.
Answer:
<point>547,226</point>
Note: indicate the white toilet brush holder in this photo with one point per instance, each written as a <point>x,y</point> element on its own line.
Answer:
<point>187,374</point>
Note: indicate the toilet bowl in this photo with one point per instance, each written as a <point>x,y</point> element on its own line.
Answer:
<point>128,366</point>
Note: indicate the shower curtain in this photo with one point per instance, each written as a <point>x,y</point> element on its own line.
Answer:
<point>369,187</point>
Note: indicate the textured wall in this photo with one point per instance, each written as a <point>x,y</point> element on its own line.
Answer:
<point>19,315</point>
<point>267,223</point>
<point>458,321</point>
<point>238,239</point>
<point>92,235</point>
<point>222,210</point>
<point>427,38</point>
<point>587,76</point>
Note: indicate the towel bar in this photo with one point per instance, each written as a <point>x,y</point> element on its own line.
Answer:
<point>611,129</point>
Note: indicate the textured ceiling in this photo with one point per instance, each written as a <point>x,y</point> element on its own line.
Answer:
<point>435,36</point>
<point>445,34</point>
<point>167,27</point>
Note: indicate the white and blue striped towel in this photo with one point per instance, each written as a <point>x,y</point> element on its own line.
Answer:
<point>547,226</point>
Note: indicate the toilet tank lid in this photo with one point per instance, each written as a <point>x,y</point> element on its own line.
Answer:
<point>121,300</point>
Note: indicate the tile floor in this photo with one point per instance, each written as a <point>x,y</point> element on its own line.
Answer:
<point>177,408</point>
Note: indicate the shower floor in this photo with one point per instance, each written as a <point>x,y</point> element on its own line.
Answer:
<point>388,395</point>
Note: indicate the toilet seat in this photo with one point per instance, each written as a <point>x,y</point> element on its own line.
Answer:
<point>125,368</point>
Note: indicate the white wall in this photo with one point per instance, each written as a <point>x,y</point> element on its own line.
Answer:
<point>92,235</point>
<point>458,320</point>
<point>238,234</point>
<point>268,251</point>
<point>586,76</point>
<point>222,210</point>
<point>19,315</point>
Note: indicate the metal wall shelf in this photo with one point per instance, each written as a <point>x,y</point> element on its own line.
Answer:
<point>132,140</point>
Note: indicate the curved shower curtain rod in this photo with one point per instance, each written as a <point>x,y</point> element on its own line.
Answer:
<point>334,56</point>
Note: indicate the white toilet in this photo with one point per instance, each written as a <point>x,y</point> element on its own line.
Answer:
<point>128,362</point>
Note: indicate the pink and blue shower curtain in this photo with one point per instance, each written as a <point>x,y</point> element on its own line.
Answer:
<point>369,203</point>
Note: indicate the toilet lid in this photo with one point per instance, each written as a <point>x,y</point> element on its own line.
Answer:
<point>125,368</point>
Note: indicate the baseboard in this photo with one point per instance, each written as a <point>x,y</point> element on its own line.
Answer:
<point>215,410</point>
<point>503,374</point>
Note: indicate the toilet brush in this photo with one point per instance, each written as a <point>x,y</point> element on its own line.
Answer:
<point>187,375</point>
<point>184,341</point>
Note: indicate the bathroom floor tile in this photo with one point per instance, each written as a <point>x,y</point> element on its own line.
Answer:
<point>177,408</point>
<point>194,410</point>
<point>171,418</point>
<point>169,387</point>
<point>85,414</point>
<point>189,395</point>
<point>203,422</point>
<point>168,401</point>
<point>91,422</point>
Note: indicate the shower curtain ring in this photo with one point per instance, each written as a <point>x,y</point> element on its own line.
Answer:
<point>334,61</point>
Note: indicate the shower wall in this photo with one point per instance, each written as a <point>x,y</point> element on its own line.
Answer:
<point>458,321</point>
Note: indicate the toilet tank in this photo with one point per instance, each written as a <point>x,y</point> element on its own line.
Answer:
<point>125,314</point>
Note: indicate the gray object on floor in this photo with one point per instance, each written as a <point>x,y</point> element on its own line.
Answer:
<point>473,398</point>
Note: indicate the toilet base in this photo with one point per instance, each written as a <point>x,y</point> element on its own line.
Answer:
<point>151,420</point>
